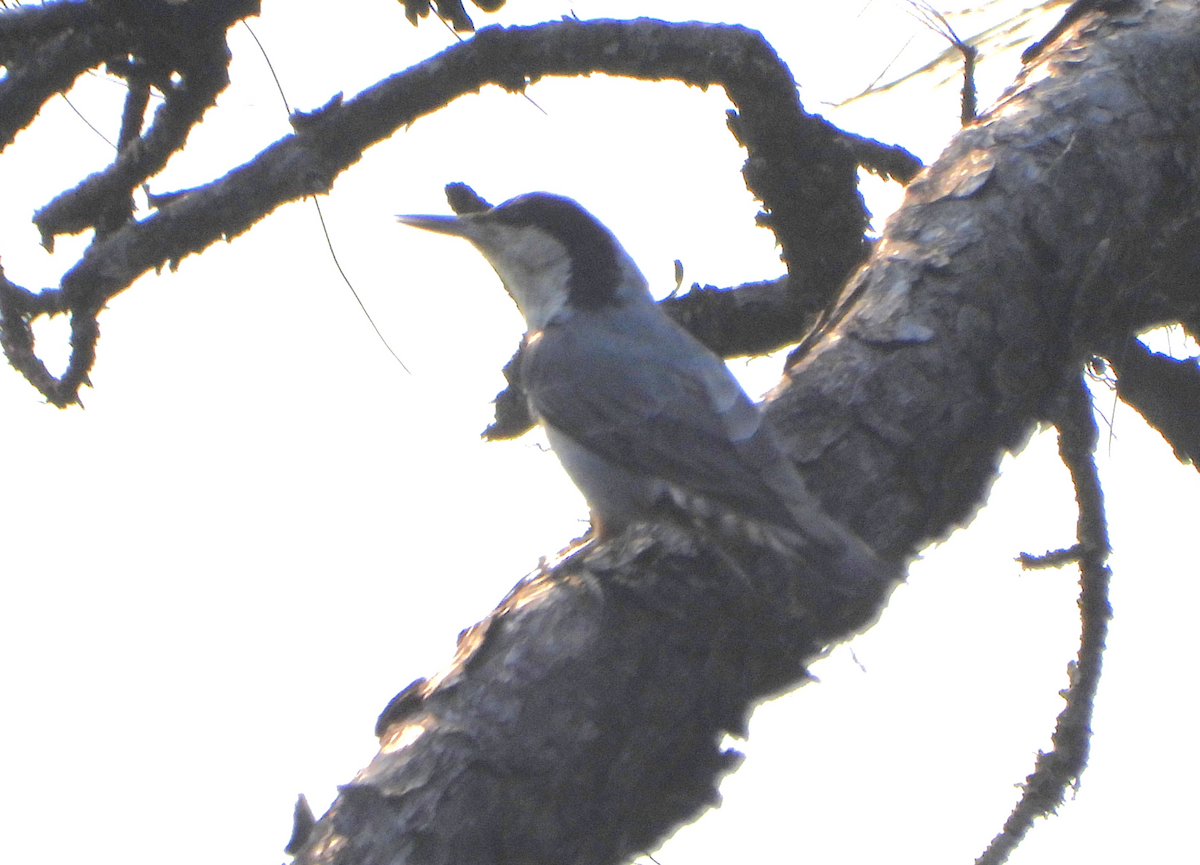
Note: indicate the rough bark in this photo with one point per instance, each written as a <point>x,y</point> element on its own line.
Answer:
<point>582,721</point>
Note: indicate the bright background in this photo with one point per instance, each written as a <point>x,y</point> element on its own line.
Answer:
<point>261,527</point>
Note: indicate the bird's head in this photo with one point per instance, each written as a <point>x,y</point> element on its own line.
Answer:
<point>552,255</point>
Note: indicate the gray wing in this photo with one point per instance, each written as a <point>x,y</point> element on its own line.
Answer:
<point>644,395</point>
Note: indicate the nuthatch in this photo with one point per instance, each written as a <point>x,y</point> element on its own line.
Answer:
<point>643,417</point>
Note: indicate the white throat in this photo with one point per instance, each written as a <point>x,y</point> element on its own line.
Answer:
<point>534,268</point>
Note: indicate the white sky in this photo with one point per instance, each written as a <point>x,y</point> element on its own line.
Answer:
<point>261,528</point>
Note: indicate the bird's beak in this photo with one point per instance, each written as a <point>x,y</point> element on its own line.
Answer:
<point>439,224</point>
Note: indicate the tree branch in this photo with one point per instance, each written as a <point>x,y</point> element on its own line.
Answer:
<point>80,208</point>
<point>51,70</point>
<point>187,40</point>
<point>799,165</point>
<point>149,41</point>
<point>652,643</point>
<point>1060,768</point>
<point>1010,261</point>
<point>1165,391</point>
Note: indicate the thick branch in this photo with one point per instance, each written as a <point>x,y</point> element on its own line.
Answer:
<point>23,26</point>
<point>587,711</point>
<point>1022,249</point>
<point>1036,238</point>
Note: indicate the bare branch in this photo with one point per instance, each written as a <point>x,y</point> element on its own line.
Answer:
<point>202,70</point>
<point>889,161</point>
<point>45,49</point>
<point>1054,559</point>
<point>1059,769</point>
<point>935,21</point>
<point>801,167</point>
<point>1165,391</point>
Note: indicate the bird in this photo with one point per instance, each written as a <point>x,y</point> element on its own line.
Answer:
<point>645,419</point>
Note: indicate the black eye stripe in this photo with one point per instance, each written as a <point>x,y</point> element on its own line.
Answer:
<point>592,248</point>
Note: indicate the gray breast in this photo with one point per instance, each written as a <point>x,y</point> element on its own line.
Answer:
<point>615,495</point>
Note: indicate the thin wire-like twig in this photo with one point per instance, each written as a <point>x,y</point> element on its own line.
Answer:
<point>103,137</point>
<point>346,279</point>
<point>438,14</point>
<point>270,66</point>
<point>935,21</point>
<point>321,219</point>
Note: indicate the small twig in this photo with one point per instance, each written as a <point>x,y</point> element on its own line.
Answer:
<point>936,21</point>
<point>1053,559</point>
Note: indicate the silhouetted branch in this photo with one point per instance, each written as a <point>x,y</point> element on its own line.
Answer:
<point>935,21</point>
<point>45,48</point>
<point>801,167</point>
<point>1059,769</point>
<point>890,161</point>
<point>1165,391</point>
<point>1052,559</point>
<point>187,40</point>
